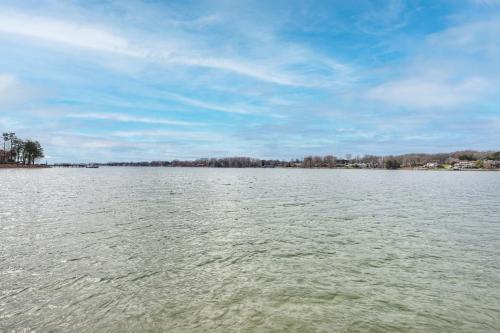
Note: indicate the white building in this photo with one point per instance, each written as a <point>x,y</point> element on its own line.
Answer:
<point>431,165</point>
<point>464,165</point>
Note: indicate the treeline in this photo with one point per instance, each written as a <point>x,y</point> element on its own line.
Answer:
<point>16,150</point>
<point>328,161</point>
<point>416,160</point>
<point>227,162</point>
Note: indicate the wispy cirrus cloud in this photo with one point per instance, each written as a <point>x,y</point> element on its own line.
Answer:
<point>8,84</point>
<point>455,67</point>
<point>67,33</point>
<point>177,51</point>
<point>486,2</point>
<point>132,119</point>
<point>148,135</point>
<point>240,109</point>
<point>13,91</point>
<point>429,92</point>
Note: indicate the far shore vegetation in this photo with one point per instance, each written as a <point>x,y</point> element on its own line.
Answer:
<point>17,151</point>
<point>26,152</point>
<point>461,160</point>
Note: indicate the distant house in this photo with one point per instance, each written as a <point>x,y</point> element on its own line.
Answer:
<point>431,165</point>
<point>341,163</point>
<point>358,165</point>
<point>464,165</point>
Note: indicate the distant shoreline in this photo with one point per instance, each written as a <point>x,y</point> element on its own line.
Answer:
<point>23,166</point>
<point>43,166</point>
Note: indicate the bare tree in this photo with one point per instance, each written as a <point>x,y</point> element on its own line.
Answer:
<point>329,161</point>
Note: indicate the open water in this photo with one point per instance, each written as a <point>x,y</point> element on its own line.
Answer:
<point>249,250</point>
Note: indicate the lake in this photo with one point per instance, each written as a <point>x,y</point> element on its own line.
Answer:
<point>249,250</point>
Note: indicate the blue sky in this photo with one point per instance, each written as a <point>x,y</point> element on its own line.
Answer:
<point>156,80</point>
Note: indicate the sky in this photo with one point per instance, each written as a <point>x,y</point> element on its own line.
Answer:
<point>161,80</point>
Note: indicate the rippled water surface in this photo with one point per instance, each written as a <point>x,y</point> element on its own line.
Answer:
<point>224,250</point>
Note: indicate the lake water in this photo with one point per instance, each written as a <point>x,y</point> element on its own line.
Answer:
<point>249,250</point>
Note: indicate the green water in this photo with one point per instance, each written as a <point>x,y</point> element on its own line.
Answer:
<point>249,250</point>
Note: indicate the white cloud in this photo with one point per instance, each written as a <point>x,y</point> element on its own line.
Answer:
<point>428,92</point>
<point>72,34</point>
<point>486,2</point>
<point>8,84</point>
<point>242,67</point>
<point>14,91</point>
<point>134,119</point>
<point>173,49</point>
<point>9,122</point>
<point>64,139</point>
<point>456,66</point>
<point>241,109</point>
<point>472,37</point>
<point>172,135</point>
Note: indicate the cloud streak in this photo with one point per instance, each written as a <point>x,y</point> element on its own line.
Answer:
<point>100,39</point>
<point>429,92</point>
<point>133,119</point>
<point>239,109</point>
<point>67,33</point>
